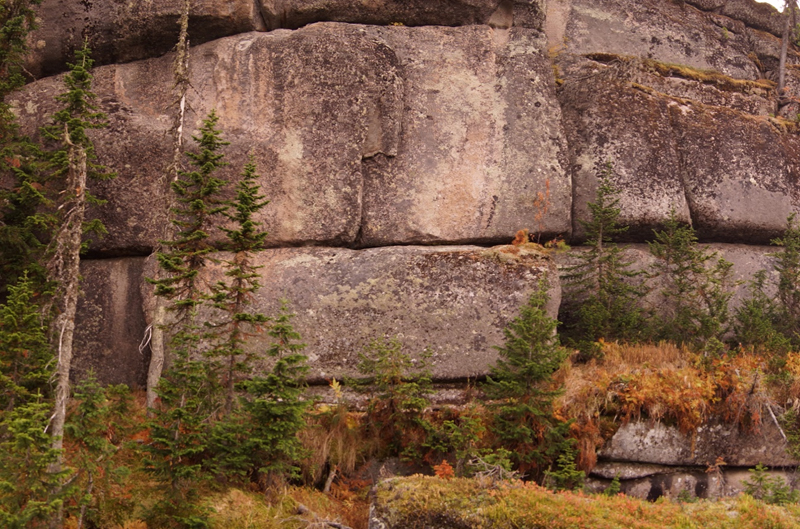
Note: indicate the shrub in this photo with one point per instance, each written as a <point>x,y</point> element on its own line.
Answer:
<point>399,388</point>
<point>772,490</point>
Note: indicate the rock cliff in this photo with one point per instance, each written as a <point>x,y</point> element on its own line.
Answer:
<point>390,134</point>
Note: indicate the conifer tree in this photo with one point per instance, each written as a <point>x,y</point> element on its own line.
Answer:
<point>234,297</point>
<point>24,349</point>
<point>697,286</point>
<point>273,405</point>
<point>21,230</point>
<point>72,164</point>
<point>189,389</point>
<point>523,419</point>
<point>602,279</point>
<point>26,483</point>
<point>31,493</point>
<point>788,267</point>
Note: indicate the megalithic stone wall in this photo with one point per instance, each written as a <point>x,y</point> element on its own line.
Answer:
<point>380,125</point>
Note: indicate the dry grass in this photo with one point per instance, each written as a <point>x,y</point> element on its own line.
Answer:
<point>662,382</point>
<point>427,502</point>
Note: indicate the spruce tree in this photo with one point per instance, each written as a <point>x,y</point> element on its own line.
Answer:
<point>274,407</point>
<point>602,278</point>
<point>787,264</point>
<point>522,404</point>
<point>697,287</point>
<point>22,229</point>
<point>72,165</point>
<point>24,350</point>
<point>29,491</point>
<point>189,389</point>
<point>234,296</point>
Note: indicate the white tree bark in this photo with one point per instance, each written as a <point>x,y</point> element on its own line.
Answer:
<point>181,87</point>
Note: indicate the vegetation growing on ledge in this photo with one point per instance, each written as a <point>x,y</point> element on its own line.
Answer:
<point>455,503</point>
<point>710,77</point>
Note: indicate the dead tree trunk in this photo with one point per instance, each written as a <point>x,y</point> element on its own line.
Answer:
<point>789,14</point>
<point>181,87</point>
<point>64,268</point>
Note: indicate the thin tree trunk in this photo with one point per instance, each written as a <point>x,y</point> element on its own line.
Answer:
<point>789,16</point>
<point>181,72</point>
<point>64,268</point>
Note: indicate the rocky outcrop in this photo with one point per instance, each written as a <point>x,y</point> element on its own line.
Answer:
<point>454,301</point>
<point>651,459</point>
<point>364,135</point>
<point>293,14</point>
<point>729,172</point>
<point>481,137</point>
<point>653,29</point>
<point>123,31</point>
<point>656,443</point>
<point>111,322</point>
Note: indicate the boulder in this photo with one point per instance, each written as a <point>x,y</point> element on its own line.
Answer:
<point>453,301</point>
<point>481,140</point>
<point>646,442</point>
<point>499,13</point>
<point>308,105</point>
<point>111,323</point>
<point>123,31</point>
<point>363,135</point>
<point>740,173</point>
<point>732,173</point>
<point>612,125</point>
<point>654,29</point>
<point>647,481</point>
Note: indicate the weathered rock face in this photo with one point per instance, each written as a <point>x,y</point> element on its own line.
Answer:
<point>455,301</point>
<point>648,481</point>
<point>758,15</point>
<point>499,13</point>
<point>657,443</point>
<point>308,105</point>
<point>322,109</point>
<point>653,29</point>
<point>481,138</point>
<point>111,322</point>
<point>732,173</point>
<point>123,31</point>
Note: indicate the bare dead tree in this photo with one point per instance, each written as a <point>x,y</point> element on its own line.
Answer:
<point>170,174</point>
<point>790,22</point>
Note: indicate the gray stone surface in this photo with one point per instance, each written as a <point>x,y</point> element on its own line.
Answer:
<point>363,135</point>
<point>651,482</point>
<point>111,322</point>
<point>646,442</point>
<point>309,105</point>
<point>499,13</point>
<point>731,172</point>
<point>481,137</point>
<point>122,31</point>
<point>454,300</point>
<point>655,29</point>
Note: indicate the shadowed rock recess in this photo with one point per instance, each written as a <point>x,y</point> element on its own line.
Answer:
<point>386,132</point>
